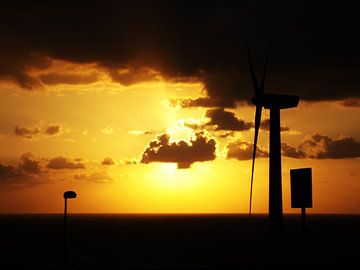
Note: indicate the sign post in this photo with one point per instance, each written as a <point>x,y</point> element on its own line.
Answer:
<point>301,197</point>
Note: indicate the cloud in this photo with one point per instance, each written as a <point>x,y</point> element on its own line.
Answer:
<point>52,129</point>
<point>108,161</point>
<point>27,132</point>
<point>316,146</point>
<point>30,164</point>
<point>137,132</point>
<point>292,152</point>
<point>34,131</point>
<point>80,177</point>
<point>351,102</point>
<point>27,174</point>
<point>172,40</point>
<point>132,75</point>
<point>206,102</point>
<point>96,177</point>
<point>227,134</point>
<point>243,151</point>
<point>7,172</point>
<point>99,177</point>
<point>191,123</point>
<point>323,147</point>
<point>56,78</point>
<point>107,130</point>
<point>265,125</point>
<point>59,163</point>
<point>224,120</point>
<point>200,148</point>
<point>130,162</point>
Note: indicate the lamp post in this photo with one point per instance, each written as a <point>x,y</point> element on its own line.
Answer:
<point>67,195</point>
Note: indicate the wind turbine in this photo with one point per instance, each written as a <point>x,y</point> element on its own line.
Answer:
<point>274,102</point>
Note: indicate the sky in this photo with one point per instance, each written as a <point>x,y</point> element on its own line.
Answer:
<point>146,107</point>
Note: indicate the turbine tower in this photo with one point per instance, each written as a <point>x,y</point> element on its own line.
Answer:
<point>274,102</point>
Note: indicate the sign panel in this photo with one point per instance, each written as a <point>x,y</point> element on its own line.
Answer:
<point>301,188</point>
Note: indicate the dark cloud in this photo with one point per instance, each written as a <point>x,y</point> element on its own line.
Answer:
<point>323,147</point>
<point>8,172</point>
<point>194,125</point>
<point>265,124</point>
<point>52,129</point>
<point>30,164</point>
<point>320,146</point>
<point>130,162</point>
<point>26,131</point>
<point>64,78</point>
<point>30,132</point>
<point>27,174</point>
<point>351,102</point>
<point>224,120</point>
<point>17,60</point>
<point>60,162</point>
<point>316,146</point>
<point>131,75</point>
<point>227,134</point>
<point>201,148</point>
<point>243,151</point>
<point>108,161</point>
<point>315,51</point>
<point>292,152</point>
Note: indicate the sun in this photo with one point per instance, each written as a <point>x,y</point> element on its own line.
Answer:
<point>179,131</point>
<point>168,177</point>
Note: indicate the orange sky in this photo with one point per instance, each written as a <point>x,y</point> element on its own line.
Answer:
<point>90,136</point>
<point>145,107</point>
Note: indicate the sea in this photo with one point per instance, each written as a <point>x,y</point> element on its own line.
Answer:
<point>173,241</point>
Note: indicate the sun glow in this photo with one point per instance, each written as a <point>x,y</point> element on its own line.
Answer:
<point>179,132</point>
<point>168,177</point>
<point>87,114</point>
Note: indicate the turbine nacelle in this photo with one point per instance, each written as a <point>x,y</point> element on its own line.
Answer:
<point>272,100</point>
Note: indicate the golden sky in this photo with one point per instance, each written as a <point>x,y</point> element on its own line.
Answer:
<point>92,138</point>
<point>146,107</point>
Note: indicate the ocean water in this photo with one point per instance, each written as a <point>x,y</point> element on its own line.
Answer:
<point>174,242</point>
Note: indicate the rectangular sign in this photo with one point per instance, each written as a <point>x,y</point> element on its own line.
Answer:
<point>301,188</point>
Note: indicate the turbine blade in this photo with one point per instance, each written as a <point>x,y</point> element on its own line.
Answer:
<point>257,126</point>
<point>252,72</point>
<point>262,85</point>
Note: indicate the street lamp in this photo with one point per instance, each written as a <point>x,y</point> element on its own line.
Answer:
<point>67,195</point>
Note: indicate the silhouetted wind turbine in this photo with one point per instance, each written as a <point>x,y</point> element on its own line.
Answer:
<point>275,103</point>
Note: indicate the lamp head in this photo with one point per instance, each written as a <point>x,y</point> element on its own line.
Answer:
<point>69,194</point>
